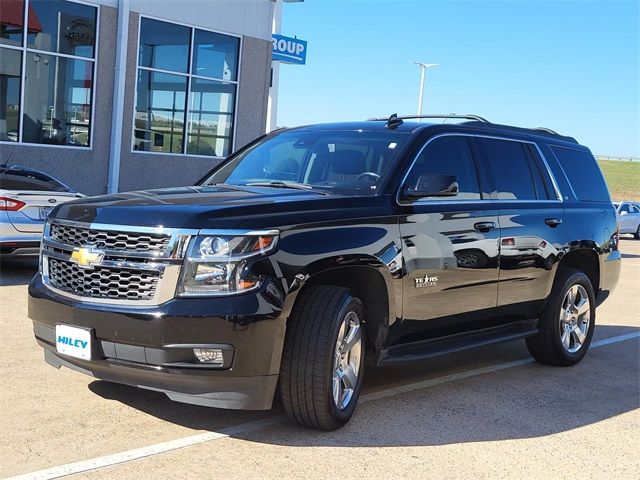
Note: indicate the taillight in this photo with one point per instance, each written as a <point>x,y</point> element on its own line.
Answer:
<point>10,205</point>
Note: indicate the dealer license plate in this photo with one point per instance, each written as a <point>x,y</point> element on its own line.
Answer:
<point>73,341</point>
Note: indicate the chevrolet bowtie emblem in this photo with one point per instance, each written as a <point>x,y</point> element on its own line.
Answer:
<point>87,257</point>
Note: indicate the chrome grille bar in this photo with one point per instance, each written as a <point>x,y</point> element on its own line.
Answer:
<point>101,282</point>
<point>138,266</point>
<point>108,239</point>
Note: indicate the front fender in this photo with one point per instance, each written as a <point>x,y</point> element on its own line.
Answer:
<point>342,269</point>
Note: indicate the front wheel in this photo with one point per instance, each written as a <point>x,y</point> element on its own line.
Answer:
<point>637,234</point>
<point>323,358</point>
<point>567,324</point>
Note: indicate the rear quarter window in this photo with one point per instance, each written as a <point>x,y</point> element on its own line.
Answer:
<point>583,173</point>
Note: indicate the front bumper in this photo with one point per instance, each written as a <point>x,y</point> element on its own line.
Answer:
<point>152,347</point>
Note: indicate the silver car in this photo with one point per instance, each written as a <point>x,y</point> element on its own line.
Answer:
<point>628,214</point>
<point>27,197</point>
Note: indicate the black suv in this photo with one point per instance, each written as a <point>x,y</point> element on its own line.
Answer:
<point>317,251</point>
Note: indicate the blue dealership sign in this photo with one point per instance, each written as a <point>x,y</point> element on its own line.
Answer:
<point>289,50</point>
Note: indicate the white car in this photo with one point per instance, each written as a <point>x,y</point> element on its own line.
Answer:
<point>26,198</point>
<point>628,214</point>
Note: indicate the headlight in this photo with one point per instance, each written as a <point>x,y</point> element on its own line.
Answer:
<point>217,264</point>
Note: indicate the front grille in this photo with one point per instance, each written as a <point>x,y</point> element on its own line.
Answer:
<point>137,266</point>
<point>109,239</point>
<point>101,282</point>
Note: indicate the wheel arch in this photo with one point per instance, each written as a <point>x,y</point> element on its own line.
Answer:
<point>586,260</point>
<point>370,280</point>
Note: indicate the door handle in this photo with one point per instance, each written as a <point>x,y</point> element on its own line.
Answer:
<point>484,226</point>
<point>553,222</point>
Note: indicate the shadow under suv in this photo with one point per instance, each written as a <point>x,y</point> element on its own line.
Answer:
<point>316,251</point>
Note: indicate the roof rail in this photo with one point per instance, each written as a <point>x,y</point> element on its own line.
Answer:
<point>445,116</point>
<point>395,121</point>
<point>545,129</point>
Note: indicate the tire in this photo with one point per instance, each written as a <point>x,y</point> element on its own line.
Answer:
<point>553,345</point>
<point>311,361</point>
<point>637,234</point>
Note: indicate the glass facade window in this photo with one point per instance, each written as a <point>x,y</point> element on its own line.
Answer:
<point>164,46</point>
<point>161,100</point>
<point>11,22</point>
<point>57,105</point>
<point>64,27</point>
<point>215,55</point>
<point>185,96</point>
<point>210,117</point>
<point>10,65</point>
<point>46,71</point>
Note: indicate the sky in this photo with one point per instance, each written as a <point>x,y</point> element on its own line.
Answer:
<point>572,66</point>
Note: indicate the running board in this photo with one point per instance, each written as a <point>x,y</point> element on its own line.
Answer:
<point>416,351</point>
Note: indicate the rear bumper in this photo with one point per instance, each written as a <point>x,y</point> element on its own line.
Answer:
<point>21,248</point>
<point>16,244</point>
<point>152,348</point>
<point>609,275</point>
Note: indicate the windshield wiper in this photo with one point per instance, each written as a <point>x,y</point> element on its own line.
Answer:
<point>281,184</point>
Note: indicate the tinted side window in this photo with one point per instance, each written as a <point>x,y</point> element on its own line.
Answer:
<point>511,169</point>
<point>450,155</point>
<point>541,179</point>
<point>583,173</point>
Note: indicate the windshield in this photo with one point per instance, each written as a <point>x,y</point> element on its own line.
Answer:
<point>347,162</point>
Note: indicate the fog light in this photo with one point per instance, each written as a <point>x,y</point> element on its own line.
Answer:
<point>209,355</point>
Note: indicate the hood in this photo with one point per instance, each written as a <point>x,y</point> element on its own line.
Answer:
<point>227,206</point>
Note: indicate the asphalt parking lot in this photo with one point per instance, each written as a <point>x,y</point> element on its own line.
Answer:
<point>489,413</point>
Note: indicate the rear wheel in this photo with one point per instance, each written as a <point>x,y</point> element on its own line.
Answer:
<point>323,358</point>
<point>568,322</point>
<point>637,234</point>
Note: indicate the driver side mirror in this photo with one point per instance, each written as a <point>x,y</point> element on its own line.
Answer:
<point>623,212</point>
<point>432,185</point>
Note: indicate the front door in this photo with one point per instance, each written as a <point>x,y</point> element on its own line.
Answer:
<point>450,246</point>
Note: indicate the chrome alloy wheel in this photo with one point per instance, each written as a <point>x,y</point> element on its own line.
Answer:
<point>346,363</point>
<point>575,316</point>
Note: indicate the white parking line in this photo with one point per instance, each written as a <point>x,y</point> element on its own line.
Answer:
<point>137,453</point>
<point>158,448</point>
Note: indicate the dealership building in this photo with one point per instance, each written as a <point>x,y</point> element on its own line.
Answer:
<point>116,95</point>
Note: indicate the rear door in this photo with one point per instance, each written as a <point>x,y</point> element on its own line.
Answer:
<point>533,234</point>
<point>450,246</point>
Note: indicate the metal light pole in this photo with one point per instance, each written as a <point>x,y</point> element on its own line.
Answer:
<point>423,67</point>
